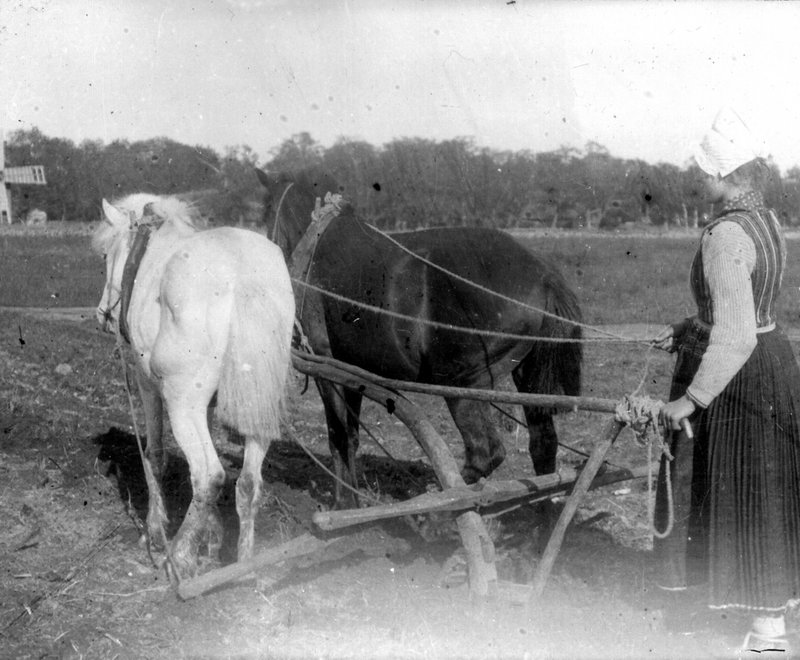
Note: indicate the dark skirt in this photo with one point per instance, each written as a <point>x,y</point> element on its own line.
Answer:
<point>736,485</point>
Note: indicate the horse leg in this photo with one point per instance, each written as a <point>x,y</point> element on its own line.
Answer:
<point>352,401</point>
<point>483,449</point>
<point>248,494</point>
<point>542,437</point>
<point>156,457</point>
<point>543,440</point>
<point>187,412</point>
<point>153,424</point>
<point>342,408</point>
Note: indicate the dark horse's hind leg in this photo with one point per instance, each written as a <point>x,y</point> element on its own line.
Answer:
<point>483,448</point>
<point>543,441</point>
<point>342,409</point>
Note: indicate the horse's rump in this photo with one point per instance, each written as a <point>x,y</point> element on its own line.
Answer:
<point>252,387</point>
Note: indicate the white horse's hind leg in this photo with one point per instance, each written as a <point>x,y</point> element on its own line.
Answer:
<point>154,424</point>
<point>201,522</point>
<point>156,458</point>
<point>248,494</point>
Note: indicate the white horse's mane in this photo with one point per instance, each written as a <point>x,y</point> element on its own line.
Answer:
<point>170,210</point>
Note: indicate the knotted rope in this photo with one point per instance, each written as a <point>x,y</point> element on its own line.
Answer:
<point>640,413</point>
<point>333,204</point>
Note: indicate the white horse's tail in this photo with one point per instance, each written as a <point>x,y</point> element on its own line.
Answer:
<point>252,389</point>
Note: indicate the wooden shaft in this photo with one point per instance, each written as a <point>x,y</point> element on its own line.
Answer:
<point>300,545</point>
<point>458,498</point>
<point>478,545</point>
<point>325,367</point>
<point>582,484</point>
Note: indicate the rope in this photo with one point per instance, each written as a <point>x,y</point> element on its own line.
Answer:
<point>473,331</point>
<point>668,476</point>
<point>333,203</point>
<point>524,425</point>
<point>278,213</point>
<point>491,292</point>
<point>153,486</point>
<point>319,463</point>
<point>640,413</point>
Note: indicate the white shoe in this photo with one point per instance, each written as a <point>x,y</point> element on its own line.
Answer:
<point>757,645</point>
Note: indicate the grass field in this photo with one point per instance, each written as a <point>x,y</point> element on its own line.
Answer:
<point>618,278</point>
<point>53,269</point>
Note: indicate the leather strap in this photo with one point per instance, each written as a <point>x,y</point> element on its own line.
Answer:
<point>129,273</point>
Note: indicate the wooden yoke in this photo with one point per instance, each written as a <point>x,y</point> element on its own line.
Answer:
<point>310,314</point>
<point>302,256</point>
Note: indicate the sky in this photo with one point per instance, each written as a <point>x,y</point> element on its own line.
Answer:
<point>643,79</point>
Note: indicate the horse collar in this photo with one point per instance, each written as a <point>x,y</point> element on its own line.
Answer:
<point>300,259</point>
<point>129,272</point>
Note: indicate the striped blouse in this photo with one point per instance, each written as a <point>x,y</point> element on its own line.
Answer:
<point>735,279</point>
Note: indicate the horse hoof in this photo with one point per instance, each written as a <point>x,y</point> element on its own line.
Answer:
<point>345,502</point>
<point>206,564</point>
<point>472,475</point>
<point>180,568</point>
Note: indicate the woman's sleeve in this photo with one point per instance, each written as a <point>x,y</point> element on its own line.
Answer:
<point>729,257</point>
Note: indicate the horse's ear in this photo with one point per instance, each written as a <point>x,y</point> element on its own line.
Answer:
<point>269,179</point>
<point>112,215</point>
<point>264,178</point>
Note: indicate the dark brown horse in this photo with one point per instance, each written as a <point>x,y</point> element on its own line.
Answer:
<point>418,340</point>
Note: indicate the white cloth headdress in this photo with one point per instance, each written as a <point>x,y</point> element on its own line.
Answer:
<point>727,146</point>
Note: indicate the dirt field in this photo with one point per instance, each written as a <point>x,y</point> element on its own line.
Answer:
<point>76,584</point>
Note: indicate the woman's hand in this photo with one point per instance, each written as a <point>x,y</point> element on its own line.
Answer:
<point>674,415</point>
<point>669,337</point>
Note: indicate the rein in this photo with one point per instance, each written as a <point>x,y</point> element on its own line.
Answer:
<point>300,263</point>
<point>278,212</point>
<point>640,414</point>
<point>140,242</point>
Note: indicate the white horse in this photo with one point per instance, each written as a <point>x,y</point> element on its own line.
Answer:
<point>206,313</point>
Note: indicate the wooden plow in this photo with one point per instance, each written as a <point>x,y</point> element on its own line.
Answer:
<point>455,495</point>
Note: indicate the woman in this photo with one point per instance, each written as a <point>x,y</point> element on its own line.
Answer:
<point>735,510</point>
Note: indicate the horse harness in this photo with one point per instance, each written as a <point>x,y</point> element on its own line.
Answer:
<point>141,240</point>
<point>303,254</point>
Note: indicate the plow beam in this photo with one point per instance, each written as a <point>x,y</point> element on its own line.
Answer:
<point>481,495</point>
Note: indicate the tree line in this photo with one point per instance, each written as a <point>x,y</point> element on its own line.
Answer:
<point>404,184</point>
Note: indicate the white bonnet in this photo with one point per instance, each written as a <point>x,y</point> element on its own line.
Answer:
<point>727,146</point>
